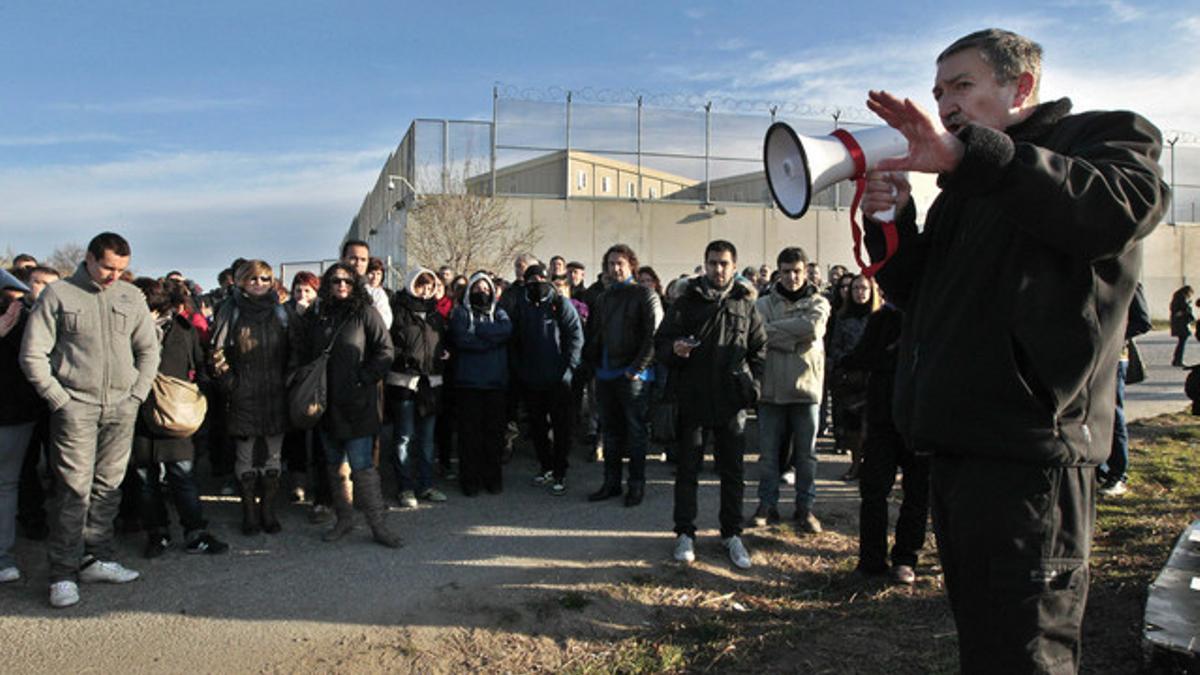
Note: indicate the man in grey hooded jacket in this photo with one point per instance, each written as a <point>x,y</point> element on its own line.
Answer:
<point>91,351</point>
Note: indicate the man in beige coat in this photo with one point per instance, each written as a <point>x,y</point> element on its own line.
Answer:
<point>91,351</point>
<point>795,314</point>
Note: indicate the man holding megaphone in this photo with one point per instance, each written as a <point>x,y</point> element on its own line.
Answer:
<point>1015,295</point>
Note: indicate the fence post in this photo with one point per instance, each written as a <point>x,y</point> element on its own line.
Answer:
<point>707,150</point>
<point>639,147</point>
<point>495,99</point>
<point>567,152</point>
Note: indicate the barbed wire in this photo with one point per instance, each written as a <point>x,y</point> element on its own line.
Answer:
<point>1177,136</point>
<point>681,101</point>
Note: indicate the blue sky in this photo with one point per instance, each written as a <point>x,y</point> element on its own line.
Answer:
<point>205,131</point>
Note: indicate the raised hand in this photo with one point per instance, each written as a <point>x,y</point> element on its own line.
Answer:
<point>931,149</point>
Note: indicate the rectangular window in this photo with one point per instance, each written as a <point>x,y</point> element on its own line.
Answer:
<point>604,184</point>
<point>582,182</point>
<point>631,190</point>
<point>653,193</point>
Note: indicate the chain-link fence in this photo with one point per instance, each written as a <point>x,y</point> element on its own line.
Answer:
<point>617,145</point>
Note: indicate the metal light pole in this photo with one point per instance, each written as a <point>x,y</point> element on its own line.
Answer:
<point>1172,142</point>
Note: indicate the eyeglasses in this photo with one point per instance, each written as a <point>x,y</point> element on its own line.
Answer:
<point>342,280</point>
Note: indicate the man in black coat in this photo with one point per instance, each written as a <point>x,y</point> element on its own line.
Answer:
<point>1014,298</point>
<point>715,344</point>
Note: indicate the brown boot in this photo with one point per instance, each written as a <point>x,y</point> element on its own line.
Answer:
<point>270,482</point>
<point>247,483</point>
<point>342,507</point>
<point>370,500</point>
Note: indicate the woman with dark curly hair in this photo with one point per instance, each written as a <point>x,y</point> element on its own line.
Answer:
<point>360,356</point>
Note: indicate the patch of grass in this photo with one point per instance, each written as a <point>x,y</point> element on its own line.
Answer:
<point>636,657</point>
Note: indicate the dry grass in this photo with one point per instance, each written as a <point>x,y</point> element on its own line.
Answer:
<point>802,608</point>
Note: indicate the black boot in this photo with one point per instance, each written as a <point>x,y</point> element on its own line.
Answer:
<point>247,483</point>
<point>634,495</point>
<point>369,497</point>
<point>270,482</point>
<point>606,491</point>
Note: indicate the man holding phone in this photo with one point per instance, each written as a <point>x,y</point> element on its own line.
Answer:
<point>715,345</point>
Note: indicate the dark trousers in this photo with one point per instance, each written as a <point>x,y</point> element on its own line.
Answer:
<point>883,452</point>
<point>443,430</point>
<point>1014,541</point>
<point>31,493</point>
<point>1177,357</point>
<point>185,494</point>
<point>551,410</point>
<point>482,415</point>
<point>221,450</point>
<point>624,404</point>
<point>730,448</point>
<point>1118,457</point>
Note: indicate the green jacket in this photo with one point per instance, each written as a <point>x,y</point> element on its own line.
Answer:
<point>795,368</point>
<point>91,344</point>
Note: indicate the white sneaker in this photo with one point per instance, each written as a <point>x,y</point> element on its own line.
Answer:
<point>433,495</point>
<point>738,554</point>
<point>9,574</point>
<point>685,549</point>
<point>543,479</point>
<point>64,594</point>
<point>789,477</point>
<point>408,499</point>
<point>108,571</point>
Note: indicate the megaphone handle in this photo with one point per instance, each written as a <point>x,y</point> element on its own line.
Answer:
<point>890,235</point>
<point>860,186</point>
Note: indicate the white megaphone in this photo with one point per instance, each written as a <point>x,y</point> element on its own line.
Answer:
<point>799,166</point>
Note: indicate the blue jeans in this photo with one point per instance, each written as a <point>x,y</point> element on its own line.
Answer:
<point>414,470</point>
<point>356,451</point>
<point>184,491</point>
<point>624,404</point>
<point>775,421</point>
<point>1118,457</point>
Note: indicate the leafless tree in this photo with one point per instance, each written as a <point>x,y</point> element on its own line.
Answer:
<point>66,258</point>
<point>468,232</point>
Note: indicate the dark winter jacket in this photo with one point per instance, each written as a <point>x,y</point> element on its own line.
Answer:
<point>875,354</point>
<point>547,337</point>
<point>720,377</point>
<point>253,332</point>
<point>183,358</point>
<point>1182,317</point>
<point>19,401</point>
<point>621,327</point>
<point>1015,294</point>
<point>361,356</point>
<point>479,337</point>
<point>418,336</point>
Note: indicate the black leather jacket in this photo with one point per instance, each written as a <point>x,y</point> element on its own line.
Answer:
<point>1015,294</point>
<point>622,324</point>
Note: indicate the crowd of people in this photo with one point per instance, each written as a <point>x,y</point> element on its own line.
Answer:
<point>431,381</point>
<point>1006,423</point>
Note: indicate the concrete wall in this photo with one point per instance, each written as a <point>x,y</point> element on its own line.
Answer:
<point>670,236</point>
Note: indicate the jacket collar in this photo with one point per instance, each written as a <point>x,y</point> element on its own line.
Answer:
<point>1043,118</point>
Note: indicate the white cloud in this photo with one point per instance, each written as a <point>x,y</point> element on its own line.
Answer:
<point>58,139</point>
<point>156,105</point>
<point>197,209</point>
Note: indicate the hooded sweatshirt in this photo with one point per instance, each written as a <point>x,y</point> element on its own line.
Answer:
<point>479,334</point>
<point>418,331</point>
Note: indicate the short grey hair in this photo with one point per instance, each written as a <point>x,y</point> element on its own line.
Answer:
<point>1007,53</point>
